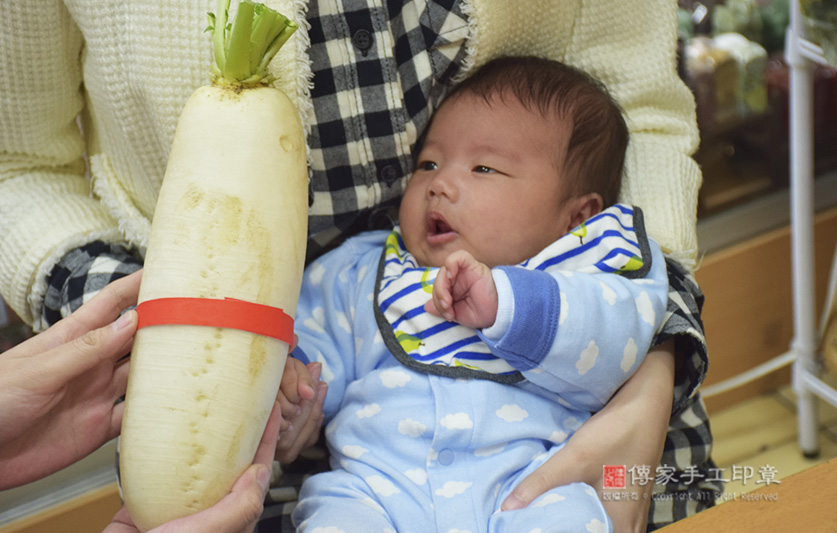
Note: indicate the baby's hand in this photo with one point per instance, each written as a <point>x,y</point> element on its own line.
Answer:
<point>464,292</point>
<point>300,398</point>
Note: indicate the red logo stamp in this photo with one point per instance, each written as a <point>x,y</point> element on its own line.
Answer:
<point>614,476</point>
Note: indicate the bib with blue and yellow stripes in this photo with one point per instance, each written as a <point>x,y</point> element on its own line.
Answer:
<point>614,241</point>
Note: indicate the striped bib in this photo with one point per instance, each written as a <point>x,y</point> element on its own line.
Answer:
<point>613,241</point>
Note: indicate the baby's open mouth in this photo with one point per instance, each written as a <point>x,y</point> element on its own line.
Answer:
<point>439,226</point>
<point>438,229</point>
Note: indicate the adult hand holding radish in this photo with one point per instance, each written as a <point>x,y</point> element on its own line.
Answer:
<point>222,277</point>
<point>238,511</point>
<point>58,403</point>
<point>58,390</point>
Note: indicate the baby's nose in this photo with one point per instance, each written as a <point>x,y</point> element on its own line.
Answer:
<point>443,184</point>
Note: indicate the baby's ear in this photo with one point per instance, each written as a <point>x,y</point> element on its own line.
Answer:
<point>581,208</point>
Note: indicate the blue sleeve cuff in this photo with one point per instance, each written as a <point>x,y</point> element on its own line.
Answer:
<point>300,355</point>
<point>536,307</point>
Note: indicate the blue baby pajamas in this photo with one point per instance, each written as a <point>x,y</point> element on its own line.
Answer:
<point>432,424</point>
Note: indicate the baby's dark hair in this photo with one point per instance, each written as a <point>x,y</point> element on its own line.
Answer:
<point>598,134</point>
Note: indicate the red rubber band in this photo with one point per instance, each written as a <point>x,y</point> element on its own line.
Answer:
<point>227,313</point>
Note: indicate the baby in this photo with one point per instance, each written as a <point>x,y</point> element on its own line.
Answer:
<point>464,347</point>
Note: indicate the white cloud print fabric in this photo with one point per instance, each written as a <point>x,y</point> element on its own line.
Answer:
<point>414,451</point>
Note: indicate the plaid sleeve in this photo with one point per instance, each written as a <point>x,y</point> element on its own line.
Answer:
<point>82,273</point>
<point>683,323</point>
<point>378,72</point>
<point>686,480</point>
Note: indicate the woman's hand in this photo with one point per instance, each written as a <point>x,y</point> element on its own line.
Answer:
<point>238,511</point>
<point>58,390</point>
<point>630,430</point>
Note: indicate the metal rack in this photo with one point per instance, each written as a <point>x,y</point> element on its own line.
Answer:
<point>801,56</point>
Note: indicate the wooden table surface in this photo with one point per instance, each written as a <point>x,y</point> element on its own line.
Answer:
<point>804,502</point>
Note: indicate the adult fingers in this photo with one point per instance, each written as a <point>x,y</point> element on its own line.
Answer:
<point>560,469</point>
<point>237,512</point>
<point>120,385</point>
<point>109,302</point>
<point>105,344</point>
<point>116,420</point>
<point>121,523</point>
<point>103,308</point>
<point>267,445</point>
<point>120,377</point>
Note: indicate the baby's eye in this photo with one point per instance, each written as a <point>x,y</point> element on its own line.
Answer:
<point>427,165</point>
<point>482,169</point>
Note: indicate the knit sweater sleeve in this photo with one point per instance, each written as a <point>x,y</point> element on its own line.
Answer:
<point>631,48</point>
<point>46,208</point>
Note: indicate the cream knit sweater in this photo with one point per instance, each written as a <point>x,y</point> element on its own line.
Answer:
<point>126,67</point>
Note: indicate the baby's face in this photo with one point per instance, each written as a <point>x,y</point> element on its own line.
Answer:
<point>488,180</point>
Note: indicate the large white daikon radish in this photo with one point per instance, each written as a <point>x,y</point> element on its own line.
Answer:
<point>227,249</point>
